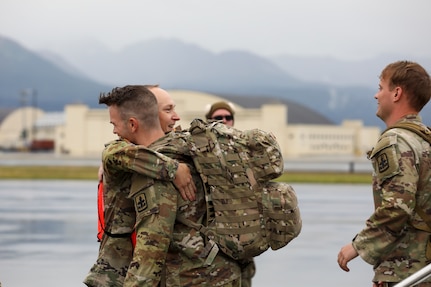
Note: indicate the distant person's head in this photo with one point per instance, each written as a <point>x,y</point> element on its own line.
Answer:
<point>167,114</point>
<point>404,88</point>
<point>221,111</point>
<point>131,109</point>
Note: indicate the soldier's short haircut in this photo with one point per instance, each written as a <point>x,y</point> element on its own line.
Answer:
<point>133,101</point>
<point>412,78</point>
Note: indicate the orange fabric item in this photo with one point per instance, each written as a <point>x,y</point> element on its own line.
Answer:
<point>133,237</point>
<point>101,215</point>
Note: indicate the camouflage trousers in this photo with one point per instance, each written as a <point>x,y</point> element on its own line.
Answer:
<point>248,270</point>
<point>234,283</point>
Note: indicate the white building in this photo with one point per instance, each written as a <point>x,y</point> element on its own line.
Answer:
<point>17,128</point>
<point>80,131</point>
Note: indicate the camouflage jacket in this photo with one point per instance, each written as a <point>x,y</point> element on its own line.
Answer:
<point>120,159</point>
<point>164,244</point>
<point>391,240</point>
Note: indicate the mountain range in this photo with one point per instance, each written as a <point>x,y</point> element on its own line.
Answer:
<point>336,89</point>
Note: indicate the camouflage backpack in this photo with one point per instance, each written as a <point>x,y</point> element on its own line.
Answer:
<point>246,212</point>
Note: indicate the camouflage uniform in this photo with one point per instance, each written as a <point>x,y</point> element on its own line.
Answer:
<point>166,246</point>
<point>120,158</point>
<point>391,240</point>
<point>248,270</point>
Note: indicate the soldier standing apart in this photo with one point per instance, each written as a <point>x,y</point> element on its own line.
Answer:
<point>396,239</point>
<point>225,111</point>
<point>221,111</point>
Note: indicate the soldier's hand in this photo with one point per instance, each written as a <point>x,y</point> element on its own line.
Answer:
<point>100,172</point>
<point>347,253</point>
<point>192,242</point>
<point>184,182</point>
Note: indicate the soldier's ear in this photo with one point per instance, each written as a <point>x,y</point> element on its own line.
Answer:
<point>398,91</point>
<point>133,124</point>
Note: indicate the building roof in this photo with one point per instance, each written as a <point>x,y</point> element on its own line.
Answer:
<point>296,113</point>
<point>4,113</point>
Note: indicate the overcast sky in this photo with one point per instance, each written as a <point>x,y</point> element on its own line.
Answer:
<point>344,29</point>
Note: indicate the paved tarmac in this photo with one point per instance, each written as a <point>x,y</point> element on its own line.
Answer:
<point>48,235</point>
<point>46,159</point>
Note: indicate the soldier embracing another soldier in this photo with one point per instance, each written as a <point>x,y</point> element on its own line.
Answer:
<point>199,239</point>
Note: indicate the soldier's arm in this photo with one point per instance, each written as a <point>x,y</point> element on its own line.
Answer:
<point>184,183</point>
<point>135,158</point>
<point>156,206</point>
<point>396,177</point>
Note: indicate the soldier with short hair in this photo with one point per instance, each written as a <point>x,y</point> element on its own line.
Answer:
<point>166,252</point>
<point>116,248</point>
<point>396,238</point>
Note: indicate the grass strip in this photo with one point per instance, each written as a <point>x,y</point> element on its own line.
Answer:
<point>90,173</point>
<point>326,177</point>
<point>48,172</point>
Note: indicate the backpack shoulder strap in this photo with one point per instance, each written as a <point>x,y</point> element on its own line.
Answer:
<point>425,133</point>
<point>425,218</point>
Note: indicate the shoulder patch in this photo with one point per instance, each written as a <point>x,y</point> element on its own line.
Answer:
<point>382,162</point>
<point>141,202</point>
<point>142,193</point>
<point>385,157</point>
